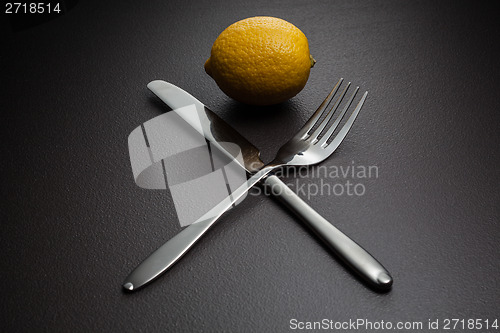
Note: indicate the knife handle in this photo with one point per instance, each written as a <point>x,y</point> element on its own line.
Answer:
<point>166,256</point>
<point>345,248</point>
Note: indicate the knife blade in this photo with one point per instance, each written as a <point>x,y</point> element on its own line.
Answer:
<point>219,131</point>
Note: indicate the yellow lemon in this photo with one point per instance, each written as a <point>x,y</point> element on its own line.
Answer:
<point>260,60</point>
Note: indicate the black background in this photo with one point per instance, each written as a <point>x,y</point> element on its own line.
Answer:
<point>74,224</point>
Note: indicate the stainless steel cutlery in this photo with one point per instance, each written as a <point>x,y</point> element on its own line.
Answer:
<point>313,143</point>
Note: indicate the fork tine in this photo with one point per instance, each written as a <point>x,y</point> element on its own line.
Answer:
<point>347,126</point>
<point>303,132</point>
<point>337,121</point>
<point>314,135</point>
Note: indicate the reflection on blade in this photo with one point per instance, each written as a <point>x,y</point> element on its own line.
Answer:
<point>212,127</point>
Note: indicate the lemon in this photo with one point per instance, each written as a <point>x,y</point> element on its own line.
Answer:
<point>260,61</point>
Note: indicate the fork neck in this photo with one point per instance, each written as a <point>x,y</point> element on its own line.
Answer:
<point>262,173</point>
<point>266,169</point>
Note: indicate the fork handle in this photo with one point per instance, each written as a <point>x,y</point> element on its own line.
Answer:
<point>349,251</point>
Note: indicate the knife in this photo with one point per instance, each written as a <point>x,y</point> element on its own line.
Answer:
<point>168,254</point>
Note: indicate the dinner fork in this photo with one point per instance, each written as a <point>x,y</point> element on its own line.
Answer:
<point>312,144</point>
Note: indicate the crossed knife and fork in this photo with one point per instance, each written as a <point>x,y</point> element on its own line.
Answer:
<point>313,143</point>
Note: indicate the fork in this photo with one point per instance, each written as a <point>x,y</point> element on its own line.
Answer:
<point>312,144</point>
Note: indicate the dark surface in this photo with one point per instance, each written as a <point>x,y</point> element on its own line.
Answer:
<point>74,224</point>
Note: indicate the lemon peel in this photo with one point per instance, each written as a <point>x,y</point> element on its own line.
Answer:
<point>260,60</point>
